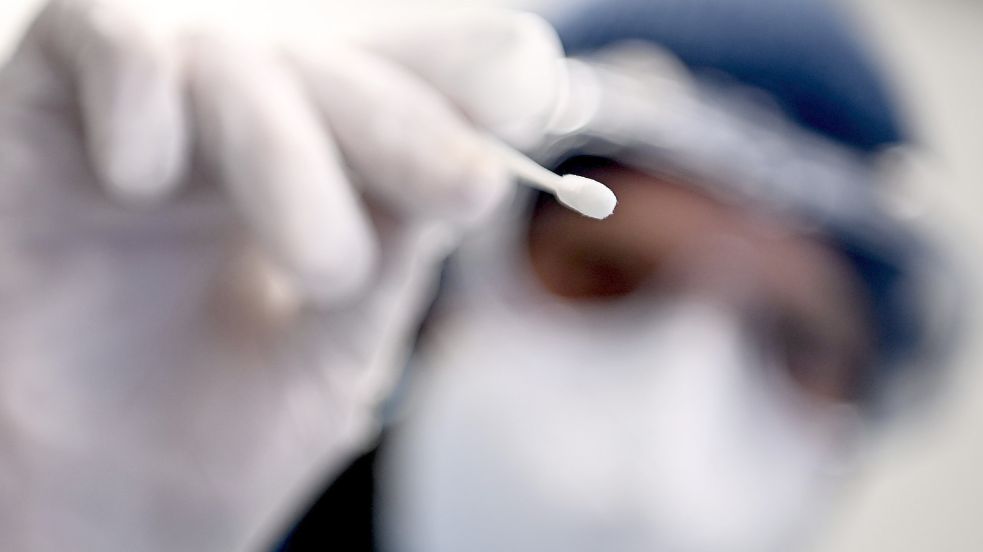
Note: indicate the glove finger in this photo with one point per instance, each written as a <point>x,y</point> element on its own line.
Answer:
<point>501,68</point>
<point>365,345</point>
<point>407,144</point>
<point>126,82</point>
<point>261,136</point>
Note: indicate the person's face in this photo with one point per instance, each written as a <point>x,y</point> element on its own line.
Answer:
<point>665,238</point>
<point>669,379</point>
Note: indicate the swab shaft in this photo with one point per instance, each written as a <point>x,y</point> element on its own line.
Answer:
<point>527,170</point>
<point>587,197</point>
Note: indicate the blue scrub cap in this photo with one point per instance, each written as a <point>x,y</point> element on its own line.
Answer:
<point>802,52</point>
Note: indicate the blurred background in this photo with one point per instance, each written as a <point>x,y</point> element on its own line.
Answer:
<point>923,489</point>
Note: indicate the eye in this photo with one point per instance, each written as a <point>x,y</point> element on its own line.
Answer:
<point>583,272</point>
<point>823,361</point>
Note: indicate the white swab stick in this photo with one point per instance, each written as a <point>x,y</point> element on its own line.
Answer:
<point>587,197</point>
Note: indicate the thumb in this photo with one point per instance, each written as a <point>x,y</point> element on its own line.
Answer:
<point>501,68</point>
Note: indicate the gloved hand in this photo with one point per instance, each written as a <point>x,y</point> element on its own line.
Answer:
<point>213,255</point>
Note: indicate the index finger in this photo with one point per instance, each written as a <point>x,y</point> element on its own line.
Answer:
<point>124,78</point>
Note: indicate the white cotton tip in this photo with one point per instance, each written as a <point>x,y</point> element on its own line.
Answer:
<point>587,197</point>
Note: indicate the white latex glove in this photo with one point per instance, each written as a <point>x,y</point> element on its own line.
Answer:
<point>200,303</point>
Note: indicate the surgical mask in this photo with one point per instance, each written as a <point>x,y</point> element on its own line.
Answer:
<point>538,425</point>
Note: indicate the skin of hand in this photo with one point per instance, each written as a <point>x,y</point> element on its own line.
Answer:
<point>214,253</point>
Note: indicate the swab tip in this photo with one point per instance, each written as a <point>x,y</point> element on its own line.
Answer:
<point>588,197</point>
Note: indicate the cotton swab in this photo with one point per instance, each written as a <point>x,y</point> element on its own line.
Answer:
<point>588,197</point>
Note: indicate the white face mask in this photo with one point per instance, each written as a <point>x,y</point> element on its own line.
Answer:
<point>534,425</point>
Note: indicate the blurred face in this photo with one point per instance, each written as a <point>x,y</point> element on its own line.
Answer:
<point>667,239</point>
<point>675,378</point>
